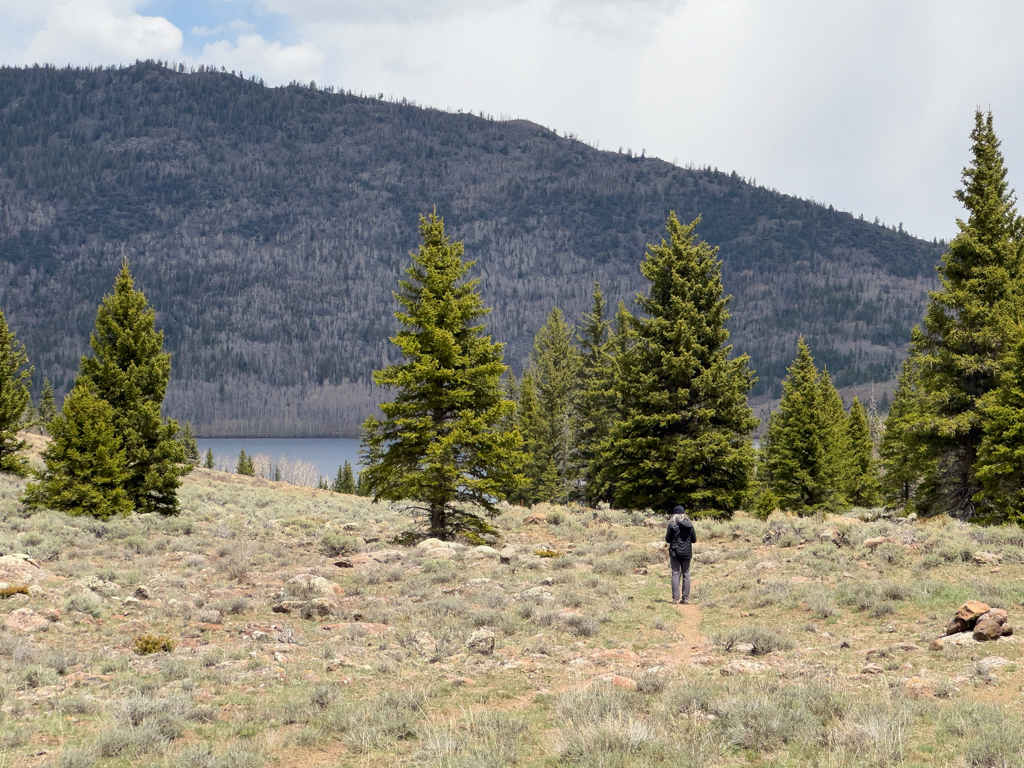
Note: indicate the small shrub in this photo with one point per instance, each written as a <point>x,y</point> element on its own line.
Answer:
<point>146,644</point>
<point>338,544</point>
<point>85,602</point>
<point>14,589</point>
<point>75,758</point>
<point>546,553</point>
<point>580,625</point>
<point>763,639</point>
<point>554,518</point>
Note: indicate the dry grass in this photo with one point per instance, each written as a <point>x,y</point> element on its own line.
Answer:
<point>384,676</point>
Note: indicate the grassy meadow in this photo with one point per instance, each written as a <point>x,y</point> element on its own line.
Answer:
<point>228,636</point>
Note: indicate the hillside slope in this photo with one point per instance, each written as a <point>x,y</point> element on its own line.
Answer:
<point>269,227</point>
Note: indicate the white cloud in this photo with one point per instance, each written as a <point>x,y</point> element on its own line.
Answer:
<point>271,60</point>
<point>102,32</point>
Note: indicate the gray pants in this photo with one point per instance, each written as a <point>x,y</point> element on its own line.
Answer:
<point>680,568</point>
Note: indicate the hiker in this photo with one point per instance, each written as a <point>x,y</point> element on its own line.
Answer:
<point>680,537</point>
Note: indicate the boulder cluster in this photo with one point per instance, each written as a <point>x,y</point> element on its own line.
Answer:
<point>981,621</point>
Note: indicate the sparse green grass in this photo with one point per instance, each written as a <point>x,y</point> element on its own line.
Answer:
<point>387,677</point>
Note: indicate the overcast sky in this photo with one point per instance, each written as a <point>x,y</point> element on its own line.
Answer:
<point>866,105</point>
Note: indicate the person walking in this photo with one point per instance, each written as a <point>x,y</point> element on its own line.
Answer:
<point>680,538</point>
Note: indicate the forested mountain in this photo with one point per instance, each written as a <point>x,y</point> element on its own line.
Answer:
<point>269,226</point>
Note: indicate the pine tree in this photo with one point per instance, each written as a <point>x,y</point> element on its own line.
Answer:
<point>439,443</point>
<point>621,338</point>
<point>1000,468</point>
<point>798,465</point>
<point>245,465</point>
<point>548,430</point>
<point>837,470</point>
<point>277,473</point>
<point>684,432</point>
<point>903,463</point>
<point>345,481</point>
<point>968,327</point>
<point>862,486</point>
<point>86,465</point>
<point>595,401</point>
<point>47,405</point>
<point>534,468</point>
<point>189,445</point>
<point>208,463</point>
<point>14,401</point>
<point>130,371</point>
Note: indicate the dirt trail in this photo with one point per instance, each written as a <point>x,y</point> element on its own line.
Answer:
<point>690,642</point>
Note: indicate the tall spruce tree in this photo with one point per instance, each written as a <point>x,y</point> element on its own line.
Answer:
<point>15,400</point>
<point>47,405</point>
<point>595,399</point>
<point>549,432</point>
<point>345,482</point>
<point>797,462</point>
<point>903,463</point>
<point>86,465</point>
<point>683,435</point>
<point>968,328</point>
<point>1000,468</point>
<point>130,371</point>
<point>837,469</point>
<point>189,445</point>
<point>862,486</point>
<point>538,476</point>
<point>245,464</point>
<point>440,443</point>
<point>208,462</point>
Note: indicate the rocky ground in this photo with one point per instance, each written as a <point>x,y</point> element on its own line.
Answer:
<point>274,625</point>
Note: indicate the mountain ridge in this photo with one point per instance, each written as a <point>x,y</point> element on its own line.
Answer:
<point>269,227</point>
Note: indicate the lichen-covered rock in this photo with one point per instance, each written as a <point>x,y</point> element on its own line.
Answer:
<point>481,641</point>
<point>744,667</point>
<point>987,558</point>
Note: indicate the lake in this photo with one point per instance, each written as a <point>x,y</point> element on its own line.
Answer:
<point>301,460</point>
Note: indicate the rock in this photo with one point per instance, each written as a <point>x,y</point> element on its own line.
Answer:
<point>309,586</point>
<point>767,565</point>
<point>987,665</point>
<point>872,669</point>
<point>962,638</point>
<point>747,649</point>
<point>478,553</point>
<point>440,553</point>
<point>535,519</point>
<point>539,593</point>
<point>997,615</point>
<point>937,644</point>
<point>1007,630</point>
<point>611,655</point>
<point>430,544</point>
<point>987,558</point>
<point>957,625</point>
<point>24,620</point>
<point>287,606</point>
<point>987,629</point>
<point>22,569</point>
<point>971,610</point>
<point>639,571</point>
<point>130,601</point>
<point>424,643</point>
<point>380,557</point>
<point>317,608</point>
<point>337,663</point>
<point>481,641</point>
<point>34,590</point>
<point>918,686</point>
<point>617,680</point>
<point>876,542</point>
<point>743,667</point>
<point>343,563</point>
<point>142,592</point>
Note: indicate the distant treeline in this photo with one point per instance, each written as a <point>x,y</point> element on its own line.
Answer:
<point>270,225</point>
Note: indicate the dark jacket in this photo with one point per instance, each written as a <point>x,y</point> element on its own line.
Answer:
<point>680,538</point>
